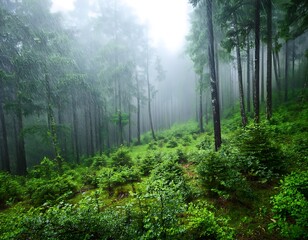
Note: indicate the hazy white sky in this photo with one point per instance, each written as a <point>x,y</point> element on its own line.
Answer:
<point>167,19</point>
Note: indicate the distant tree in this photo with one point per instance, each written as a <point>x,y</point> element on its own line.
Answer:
<point>213,80</point>
<point>269,60</point>
<point>256,94</point>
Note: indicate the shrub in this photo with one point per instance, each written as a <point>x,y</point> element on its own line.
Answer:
<point>46,169</point>
<point>10,189</point>
<point>258,157</point>
<point>52,191</point>
<point>121,157</point>
<point>172,143</point>
<point>149,161</point>
<point>203,224</point>
<point>290,206</point>
<point>220,177</point>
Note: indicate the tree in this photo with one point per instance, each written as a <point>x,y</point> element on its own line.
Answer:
<point>213,80</point>
<point>269,60</point>
<point>256,93</point>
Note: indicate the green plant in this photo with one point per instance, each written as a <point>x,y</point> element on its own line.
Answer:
<point>121,157</point>
<point>52,191</point>
<point>220,177</point>
<point>290,206</point>
<point>203,224</point>
<point>10,189</point>
<point>258,157</point>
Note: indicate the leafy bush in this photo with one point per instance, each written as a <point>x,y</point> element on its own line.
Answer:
<point>109,178</point>
<point>149,161</point>
<point>10,189</point>
<point>97,161</point>
<point>47,169</point>
<point>182,156</point>
<point>220,177</point>
<point>203,224</point>
<point>68,221</point>
<point>52,191</point>
<point>172,143</point>
<point>258,157</point>
<point>290,206</point>
<point>121,158</point>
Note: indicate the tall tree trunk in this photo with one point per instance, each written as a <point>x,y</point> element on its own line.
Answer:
<point>262,74</point>
<point>214,92</point>
<point>257,63</point>
<point>5,155</point>
<point>200,104</point>
<point>149,93</point>
<point>248,75</point>
<point>240,75</point>
<point>75,128</point>
<point>286,71</point>
<point>293,66</point>
<point>277,74</point>
<point>269,62</point>
<point>21,166</point>
<point>138,110</point>
<point>52,126</point>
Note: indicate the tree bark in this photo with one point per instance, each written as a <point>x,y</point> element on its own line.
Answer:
<point>75,127</point>
<point>138,110</point>
<point>269,62</point>
<point>149,94</point>
<point>200,105</point>
<point>248,75</point>
<point>257,63</point>
<point>240,75</point>
<point>214,92</point>
<point>5,155</point>
<point>286,73</point>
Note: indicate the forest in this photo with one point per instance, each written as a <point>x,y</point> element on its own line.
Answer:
<point>107,134</point>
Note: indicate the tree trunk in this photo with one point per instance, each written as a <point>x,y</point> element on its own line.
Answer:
<point>286,71</point>
<point>257,63</point>
<point>269,62</point>
<point>277,74</point>
<point>200,104</point>
<point>5,155</point>
<point>248,75</point>
<point>21,166</point>
<point>240,75</point>
<point>214,92</point>
<point>262,74</point>
<point>75,127</point>
<point>138,111</point>
<point>149,94</point>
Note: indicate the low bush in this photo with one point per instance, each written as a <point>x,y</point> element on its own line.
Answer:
<point>290,207</point>
<point>52,191</point>
<point>220,177</point>
<point>122,157</point>
<point>10,189</point>
<point>203,224</point>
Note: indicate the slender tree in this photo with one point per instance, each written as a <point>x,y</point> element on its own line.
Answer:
<point>269,60</point>
<point>256,96</point>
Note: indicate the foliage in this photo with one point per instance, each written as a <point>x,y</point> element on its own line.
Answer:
<point>42,191</point>
<point>97,161</point>
<point>149,161</point>
<point>220,177</point>
<point>46,169</point>
<point>203,224</point>
<point>121,157</point>
<point>290,206</point>
<point>109,178</point>
<point>10,189</point>
<point>258,156</point>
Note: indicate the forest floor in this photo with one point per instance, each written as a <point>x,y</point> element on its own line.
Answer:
<point>157,188</point>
